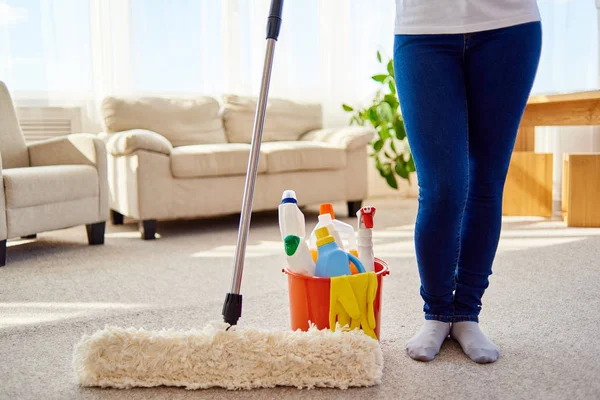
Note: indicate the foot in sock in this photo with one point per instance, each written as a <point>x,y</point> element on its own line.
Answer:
<point>426,344</point>
<point>474,342</point>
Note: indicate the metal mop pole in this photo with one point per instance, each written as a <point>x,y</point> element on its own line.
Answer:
<point>232,308</point>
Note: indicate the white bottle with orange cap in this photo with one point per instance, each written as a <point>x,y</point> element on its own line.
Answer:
<point>365,237</point>
<point>339,230</point>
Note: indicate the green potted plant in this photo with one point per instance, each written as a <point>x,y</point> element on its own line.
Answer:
<point>389,150</point>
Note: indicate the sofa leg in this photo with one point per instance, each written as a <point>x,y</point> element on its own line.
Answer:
<point>116,217</point>
<point>95,233</point>
<point>2,253</point>
<point>354,207</point>
<point>148,229</point>
<point>34,236</point>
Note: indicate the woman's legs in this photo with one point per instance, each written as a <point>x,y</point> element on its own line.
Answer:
<point>462,97</point>
<point>500,67</point>
<point>432,93</point>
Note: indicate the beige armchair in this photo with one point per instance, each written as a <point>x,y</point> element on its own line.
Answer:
<point>49,185</point>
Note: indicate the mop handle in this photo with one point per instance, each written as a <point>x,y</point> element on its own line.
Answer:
<point>232,309</point>
<point>274,20</point>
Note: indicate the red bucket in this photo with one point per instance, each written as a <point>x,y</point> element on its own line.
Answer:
<point>309,298</point>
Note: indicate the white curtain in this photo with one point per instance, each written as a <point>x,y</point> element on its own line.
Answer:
<point>570,62</point>
<point>75,52</point>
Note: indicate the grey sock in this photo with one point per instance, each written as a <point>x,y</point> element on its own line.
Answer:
<point>474,342</point>
<point>426,343</point>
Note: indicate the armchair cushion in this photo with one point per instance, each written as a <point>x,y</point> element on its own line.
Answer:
<point>32,186</point>
<point>285,120</point>
<point>302,156</point>
<point>183,121</point>
<point>212,160</point>
<point>127,142</point>
<point>350,137</point>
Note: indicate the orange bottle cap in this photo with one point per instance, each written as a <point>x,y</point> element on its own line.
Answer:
<point>327,208</point>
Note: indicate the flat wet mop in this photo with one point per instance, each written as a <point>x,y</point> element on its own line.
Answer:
<point>223,354</point>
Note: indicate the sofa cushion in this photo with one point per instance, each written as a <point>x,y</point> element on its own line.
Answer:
<point>183,121</point>
<point>33,186</point>
<point>303,156</point>
<point>285,120</point>
<point>212,160</point>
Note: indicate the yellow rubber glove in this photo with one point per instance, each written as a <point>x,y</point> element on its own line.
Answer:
<point>342,316</point>
<point>342,302</point>
<point>364,287</point>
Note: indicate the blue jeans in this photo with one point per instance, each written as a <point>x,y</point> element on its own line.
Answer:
<point>462,97</point>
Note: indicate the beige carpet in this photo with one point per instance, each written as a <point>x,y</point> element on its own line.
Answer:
<point>542,308</point>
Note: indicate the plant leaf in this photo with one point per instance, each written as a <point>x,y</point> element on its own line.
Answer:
<point>384,132</point>
<point>378,56</point>
<point>392,100</point>
<point>372,116</point>
<point>393,146</point>
<point>389,176</point>
<point>385,112</point>
<point>391,180</point>
<point>379,77</point>
<point>392,86</point>
<point>399,128</point>
<point>401,167</point>
<point>385,170</point>
<point>378,165</point>
<point>347,107</point>
<point>378,145</point>
<point>410,164</point>
<point>390,67</point>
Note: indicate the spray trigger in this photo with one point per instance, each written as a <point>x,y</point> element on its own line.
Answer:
<point>366,215</point>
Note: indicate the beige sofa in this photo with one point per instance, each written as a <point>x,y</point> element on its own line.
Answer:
<point>175,158</point>
<point>49,185</point>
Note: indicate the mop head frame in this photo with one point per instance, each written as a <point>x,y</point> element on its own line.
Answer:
<point>238,358</point>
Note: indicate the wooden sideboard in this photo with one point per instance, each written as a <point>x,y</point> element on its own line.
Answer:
<point>528,190</point>
<point>573,109</point>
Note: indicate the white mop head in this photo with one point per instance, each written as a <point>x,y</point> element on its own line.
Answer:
<point>241,358</point>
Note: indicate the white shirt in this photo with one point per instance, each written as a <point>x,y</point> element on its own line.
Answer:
<point>461,16</point>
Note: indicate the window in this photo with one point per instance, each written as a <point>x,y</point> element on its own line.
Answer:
<point>45,45</point>
<point>176,46</point>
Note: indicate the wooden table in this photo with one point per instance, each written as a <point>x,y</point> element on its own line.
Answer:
<point>528,189</point>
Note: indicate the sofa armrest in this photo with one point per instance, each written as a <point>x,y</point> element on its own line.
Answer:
<point>78,148</point>
<point>127,142</point>
<point>349,137</point>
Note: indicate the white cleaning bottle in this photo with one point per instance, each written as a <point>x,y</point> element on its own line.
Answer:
<point>291,219</point>
<point>345,231</point>
<point>365,237</point>
<point>324,221</point>
<point>298,255</point>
